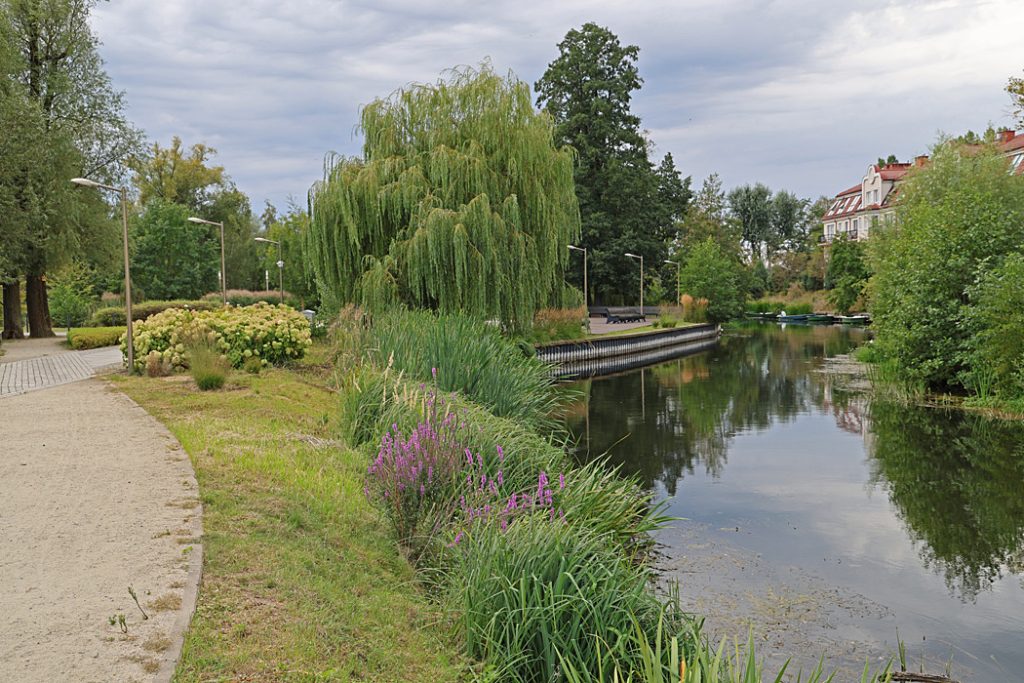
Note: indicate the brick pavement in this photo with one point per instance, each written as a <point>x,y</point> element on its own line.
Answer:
<point>18,377</point>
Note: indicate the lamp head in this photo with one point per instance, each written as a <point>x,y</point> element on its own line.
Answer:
<point>631,255</point>
<point>85,182</point>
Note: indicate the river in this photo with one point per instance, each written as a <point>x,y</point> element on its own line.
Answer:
<point>823,520</point>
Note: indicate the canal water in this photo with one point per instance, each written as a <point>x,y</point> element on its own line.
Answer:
<point>828,523</point>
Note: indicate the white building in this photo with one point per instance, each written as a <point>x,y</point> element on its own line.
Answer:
<point>854,211</point>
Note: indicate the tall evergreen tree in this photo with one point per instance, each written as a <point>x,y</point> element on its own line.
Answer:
<point>625,204</point>
<point>461,202</point>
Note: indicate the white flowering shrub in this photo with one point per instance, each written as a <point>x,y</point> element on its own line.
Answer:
<point>270,333</point>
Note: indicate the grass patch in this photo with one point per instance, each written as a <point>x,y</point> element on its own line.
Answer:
<point>81,338</point>
<point>301,580</point>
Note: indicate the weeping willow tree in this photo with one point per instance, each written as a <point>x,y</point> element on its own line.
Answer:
<point>461,202</point>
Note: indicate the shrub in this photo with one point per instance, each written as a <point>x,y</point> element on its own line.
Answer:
<point>958,219</point>
<point>94,337</point>
<point>247,297</point>
<point>847,274</point>
<point>114,315</point>
<point>994,357</point>
<point>209,368</point>
<point>270,333</point>
<point>557,324</point>
<point>713,274</point>
<point>460,353</point>
<point>70,302</point>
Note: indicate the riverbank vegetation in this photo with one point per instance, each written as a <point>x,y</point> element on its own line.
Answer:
<point>329,484</point>
<point>944,295</point>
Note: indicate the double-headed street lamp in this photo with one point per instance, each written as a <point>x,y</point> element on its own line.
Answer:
<point>679,293</point>
<point>280,263</point>
<point>585,290</point>
<point>85,182</point>
<point>641,259</point>
<point>223,273</point>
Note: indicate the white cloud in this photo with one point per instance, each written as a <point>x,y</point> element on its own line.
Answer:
<point>800,95</point>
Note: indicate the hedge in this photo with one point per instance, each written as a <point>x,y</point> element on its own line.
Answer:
<point>94,337</point>
<point>112,316</point>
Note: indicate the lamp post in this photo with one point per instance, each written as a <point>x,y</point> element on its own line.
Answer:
<point>679,294</point>
<point>280,263</point>
<point>586,292</point>
<point>223,273</point>
<point>641,259</point>
<point>85,182</point>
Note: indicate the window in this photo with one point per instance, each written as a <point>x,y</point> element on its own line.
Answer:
<point>1017,162</point>
<point>876,196</point>
<point>854,223</point>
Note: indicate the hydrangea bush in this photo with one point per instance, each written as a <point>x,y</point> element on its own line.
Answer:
<point>270,333</point>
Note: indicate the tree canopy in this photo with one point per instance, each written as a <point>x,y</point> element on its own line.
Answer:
<point>71,123</point>
<point>461,202</point>
<point>626,204</point>
<point>959,217</point>
<point>173,259</point>
<point>714,274</point>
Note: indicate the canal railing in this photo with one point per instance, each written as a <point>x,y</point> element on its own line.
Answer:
<point>600,355</point>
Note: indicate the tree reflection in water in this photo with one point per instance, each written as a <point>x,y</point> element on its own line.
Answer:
<point>956,480</point>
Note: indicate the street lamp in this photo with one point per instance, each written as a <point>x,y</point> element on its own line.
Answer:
<point>585,290</point>
<point>223,273</point>
<point>679,294</point>
<point>641,258</point>
<point>85,182</point>
<point>280,263</point>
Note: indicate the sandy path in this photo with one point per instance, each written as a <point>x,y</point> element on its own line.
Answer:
<point>95,496</point>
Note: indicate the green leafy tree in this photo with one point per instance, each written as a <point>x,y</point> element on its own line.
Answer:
<point>958,218</point>
<point>174,175</point>
<point>891,159</point>
<point>847,273</point>
<point>71,295</point>
<point>461,202</point>
<point>714,274</point>
<point>994,319</point>
<point>55,78</point>
<point>173,259</point>
<point>1015,89</point>
<point>291,230</point>
<point>751,205</point>
<point>189,178</point>
<point>625,204</point>
<point>707,216</point>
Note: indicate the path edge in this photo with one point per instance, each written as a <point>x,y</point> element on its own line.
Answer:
<point>190,594</point>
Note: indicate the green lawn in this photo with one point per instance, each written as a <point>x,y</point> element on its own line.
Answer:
<point>301,581</point>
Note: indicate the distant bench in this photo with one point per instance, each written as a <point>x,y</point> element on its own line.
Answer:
<point>624,315</point>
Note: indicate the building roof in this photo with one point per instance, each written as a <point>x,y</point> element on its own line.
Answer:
<point>893,171</point>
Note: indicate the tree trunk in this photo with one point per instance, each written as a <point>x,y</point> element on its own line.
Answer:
<point>12,311</point>
<point>38,305</point>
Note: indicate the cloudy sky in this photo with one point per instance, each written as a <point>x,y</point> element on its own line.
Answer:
<point>798,95</point>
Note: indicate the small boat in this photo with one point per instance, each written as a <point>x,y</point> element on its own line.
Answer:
<point>794,318</point>
<point>821,318</point>
<point>862,319</point>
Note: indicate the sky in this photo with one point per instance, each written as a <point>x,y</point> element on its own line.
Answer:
<point>801,96</point>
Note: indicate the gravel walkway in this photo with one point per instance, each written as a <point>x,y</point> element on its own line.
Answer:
<point>95,496</point>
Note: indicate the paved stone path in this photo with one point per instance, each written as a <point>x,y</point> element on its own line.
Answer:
<point>18,377</point>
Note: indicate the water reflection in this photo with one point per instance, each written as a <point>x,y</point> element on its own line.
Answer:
<point>690,409</point>
<point>947,529</point>
<point>957,481</point>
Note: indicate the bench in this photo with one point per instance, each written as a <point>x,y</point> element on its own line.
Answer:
<point>624,315</point>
